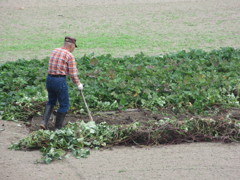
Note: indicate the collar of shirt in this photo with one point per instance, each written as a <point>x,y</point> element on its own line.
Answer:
<point>64,48</point>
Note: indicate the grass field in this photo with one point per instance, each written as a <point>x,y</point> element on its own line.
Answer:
<point>31,29</point>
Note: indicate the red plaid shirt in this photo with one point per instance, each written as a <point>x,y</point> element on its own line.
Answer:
<point>62,62</point>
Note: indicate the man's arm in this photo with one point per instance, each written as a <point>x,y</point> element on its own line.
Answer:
<point>73,71</point>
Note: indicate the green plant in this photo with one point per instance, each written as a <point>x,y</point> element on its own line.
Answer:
<point>194,81</point>
<point>76,138</point>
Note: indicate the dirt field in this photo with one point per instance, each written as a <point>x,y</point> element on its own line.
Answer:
<point>183,161</point>
<point>199,161</point>
<point>32,28</point>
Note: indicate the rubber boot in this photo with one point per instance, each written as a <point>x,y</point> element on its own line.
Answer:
<point>47,113</point>
<point>59,120</point>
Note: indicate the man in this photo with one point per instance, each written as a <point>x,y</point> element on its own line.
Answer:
<point>61,63</point>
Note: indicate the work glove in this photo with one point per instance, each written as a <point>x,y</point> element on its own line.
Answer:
<point>80,87</point>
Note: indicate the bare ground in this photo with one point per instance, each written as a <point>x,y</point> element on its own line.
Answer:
<point>32,28</point>
<point>185,161</point>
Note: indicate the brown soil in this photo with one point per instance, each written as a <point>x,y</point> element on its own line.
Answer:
<point>194,161</point>
<point>162,25</point>
<point>184,161</point>
<point>136,115</point>
<point>110,117</point>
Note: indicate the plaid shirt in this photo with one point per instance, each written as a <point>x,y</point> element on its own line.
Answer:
<point>62,62</point>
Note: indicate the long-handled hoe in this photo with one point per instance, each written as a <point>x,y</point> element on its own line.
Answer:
<point>89,113</point>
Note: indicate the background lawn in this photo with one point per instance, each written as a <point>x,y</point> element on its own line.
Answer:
<point>31,29</point>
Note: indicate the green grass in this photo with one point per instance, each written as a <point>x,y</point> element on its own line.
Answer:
<point>117,45</point>
<point>84,42</point>
<point>119,29</point>
<point>107,41</point>
<point>121,43</point>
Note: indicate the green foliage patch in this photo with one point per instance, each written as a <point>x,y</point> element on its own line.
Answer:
<point>195,81</point>
<point>75,137</point>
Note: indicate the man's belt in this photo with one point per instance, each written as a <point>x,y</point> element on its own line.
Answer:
<point>52,75</point>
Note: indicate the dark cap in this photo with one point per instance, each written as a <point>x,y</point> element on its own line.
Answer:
<point>70,40</point>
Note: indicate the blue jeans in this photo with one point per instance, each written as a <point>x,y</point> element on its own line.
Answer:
<point>58,91</point>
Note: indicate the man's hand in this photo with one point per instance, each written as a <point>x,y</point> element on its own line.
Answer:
<point>80,87</point>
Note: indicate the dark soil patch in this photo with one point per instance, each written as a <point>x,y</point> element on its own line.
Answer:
<point>150,132</point>
<point>135,115</point>
<point>110,117</point>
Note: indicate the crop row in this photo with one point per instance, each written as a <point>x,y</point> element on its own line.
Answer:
<point>195,81</point>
